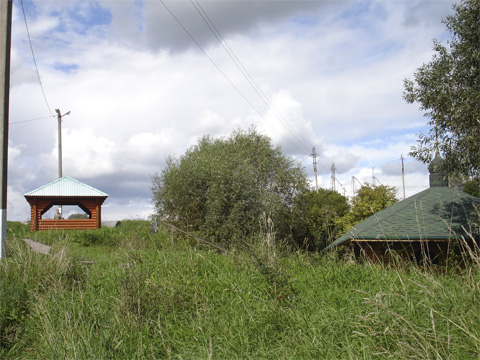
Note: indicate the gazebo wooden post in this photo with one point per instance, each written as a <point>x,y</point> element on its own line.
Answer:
<point>33,216</point>
<point>98,213</point>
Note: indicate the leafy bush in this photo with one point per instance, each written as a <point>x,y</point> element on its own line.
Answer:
<point>317,214</point>
<point>221,187</point>
<point>78,216</point>
<point>369,199</point>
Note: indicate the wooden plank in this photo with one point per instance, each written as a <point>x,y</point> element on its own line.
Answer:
<point>66,224</point>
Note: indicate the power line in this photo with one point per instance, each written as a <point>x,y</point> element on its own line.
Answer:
<point>34,60</point>
<point>243,70</point>
<point>208,21</point>
<point>220,70</point>
<point>208,57</point>
<point>24,121</point>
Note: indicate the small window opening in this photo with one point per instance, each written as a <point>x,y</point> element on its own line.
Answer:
<point>65,212</point>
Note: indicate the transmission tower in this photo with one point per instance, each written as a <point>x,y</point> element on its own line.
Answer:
<point>339,183</point>
<point>374,177</point>
<point>332,181</point>
<point>314,156</point>
<point>353,184</point>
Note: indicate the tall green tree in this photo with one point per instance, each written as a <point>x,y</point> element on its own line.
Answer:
<point>448,91</point>
<point>222,187</point>
<point>317,216</point>
<point>472,187</point>
<point>368,200</point>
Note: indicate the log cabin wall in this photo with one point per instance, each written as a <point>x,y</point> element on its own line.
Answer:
<point>40,205</point>
<point>67,224</point>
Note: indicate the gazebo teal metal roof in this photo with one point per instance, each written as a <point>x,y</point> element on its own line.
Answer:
<point>66,187</point>
<point>437,213</point>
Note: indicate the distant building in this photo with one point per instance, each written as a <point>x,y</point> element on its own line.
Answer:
<point>426,227</point>
<point>62,192</point>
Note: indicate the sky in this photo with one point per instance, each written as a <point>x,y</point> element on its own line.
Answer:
<point>144,80</point>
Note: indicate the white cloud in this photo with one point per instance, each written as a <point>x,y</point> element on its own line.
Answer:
<point>286,124</point>
<point>139,89</point>
<point>85,154</point>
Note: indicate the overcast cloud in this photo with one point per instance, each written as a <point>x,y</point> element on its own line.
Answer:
<point>145,79</point>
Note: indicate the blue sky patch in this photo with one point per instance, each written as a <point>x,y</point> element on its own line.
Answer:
<point>66,68</point>
<point>364,14</point>
<point>29,7</point>
<point>89,16</point>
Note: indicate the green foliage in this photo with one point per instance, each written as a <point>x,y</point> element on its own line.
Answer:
<point>369,199</point>
<point>78,216</point>
<point>448,90</point>
<point>472,187</point>
<point>25,277</point>
<point>103,236</point>
<point>17,227</point>
<point>317,214</point>
<point>221,187</point>
<point>164,302</point>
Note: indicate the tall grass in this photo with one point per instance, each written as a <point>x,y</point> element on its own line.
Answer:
<point>138,297</point>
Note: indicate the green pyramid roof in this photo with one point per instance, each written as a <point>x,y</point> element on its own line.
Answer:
<point>437,213</point>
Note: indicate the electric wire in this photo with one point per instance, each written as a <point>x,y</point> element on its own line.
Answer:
<point>208,21</point>
<point>226,47</point>
<point>223,73</point>
<point>34,59</point>
<point>24,121</point>
<point>208,57</point>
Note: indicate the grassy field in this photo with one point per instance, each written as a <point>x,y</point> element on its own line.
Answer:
<point>128,293</point>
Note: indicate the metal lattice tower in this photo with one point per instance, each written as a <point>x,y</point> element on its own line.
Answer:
<point>314,156</point>
<point>333,168</point>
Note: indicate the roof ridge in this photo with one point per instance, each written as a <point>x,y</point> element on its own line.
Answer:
<point>66,186</point>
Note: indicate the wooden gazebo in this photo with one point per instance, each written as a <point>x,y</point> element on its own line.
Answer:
<point>65,191</point>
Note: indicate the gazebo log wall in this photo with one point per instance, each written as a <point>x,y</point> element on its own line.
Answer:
<point>40,205</point>
<point>66,224</point>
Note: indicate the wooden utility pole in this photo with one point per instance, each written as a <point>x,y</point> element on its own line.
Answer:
<point>5,46</point>
<point>59,117</point>
<point>60,175</point>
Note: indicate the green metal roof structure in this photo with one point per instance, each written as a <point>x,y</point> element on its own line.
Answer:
<point>438,213</point>
<point>66,187</point>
